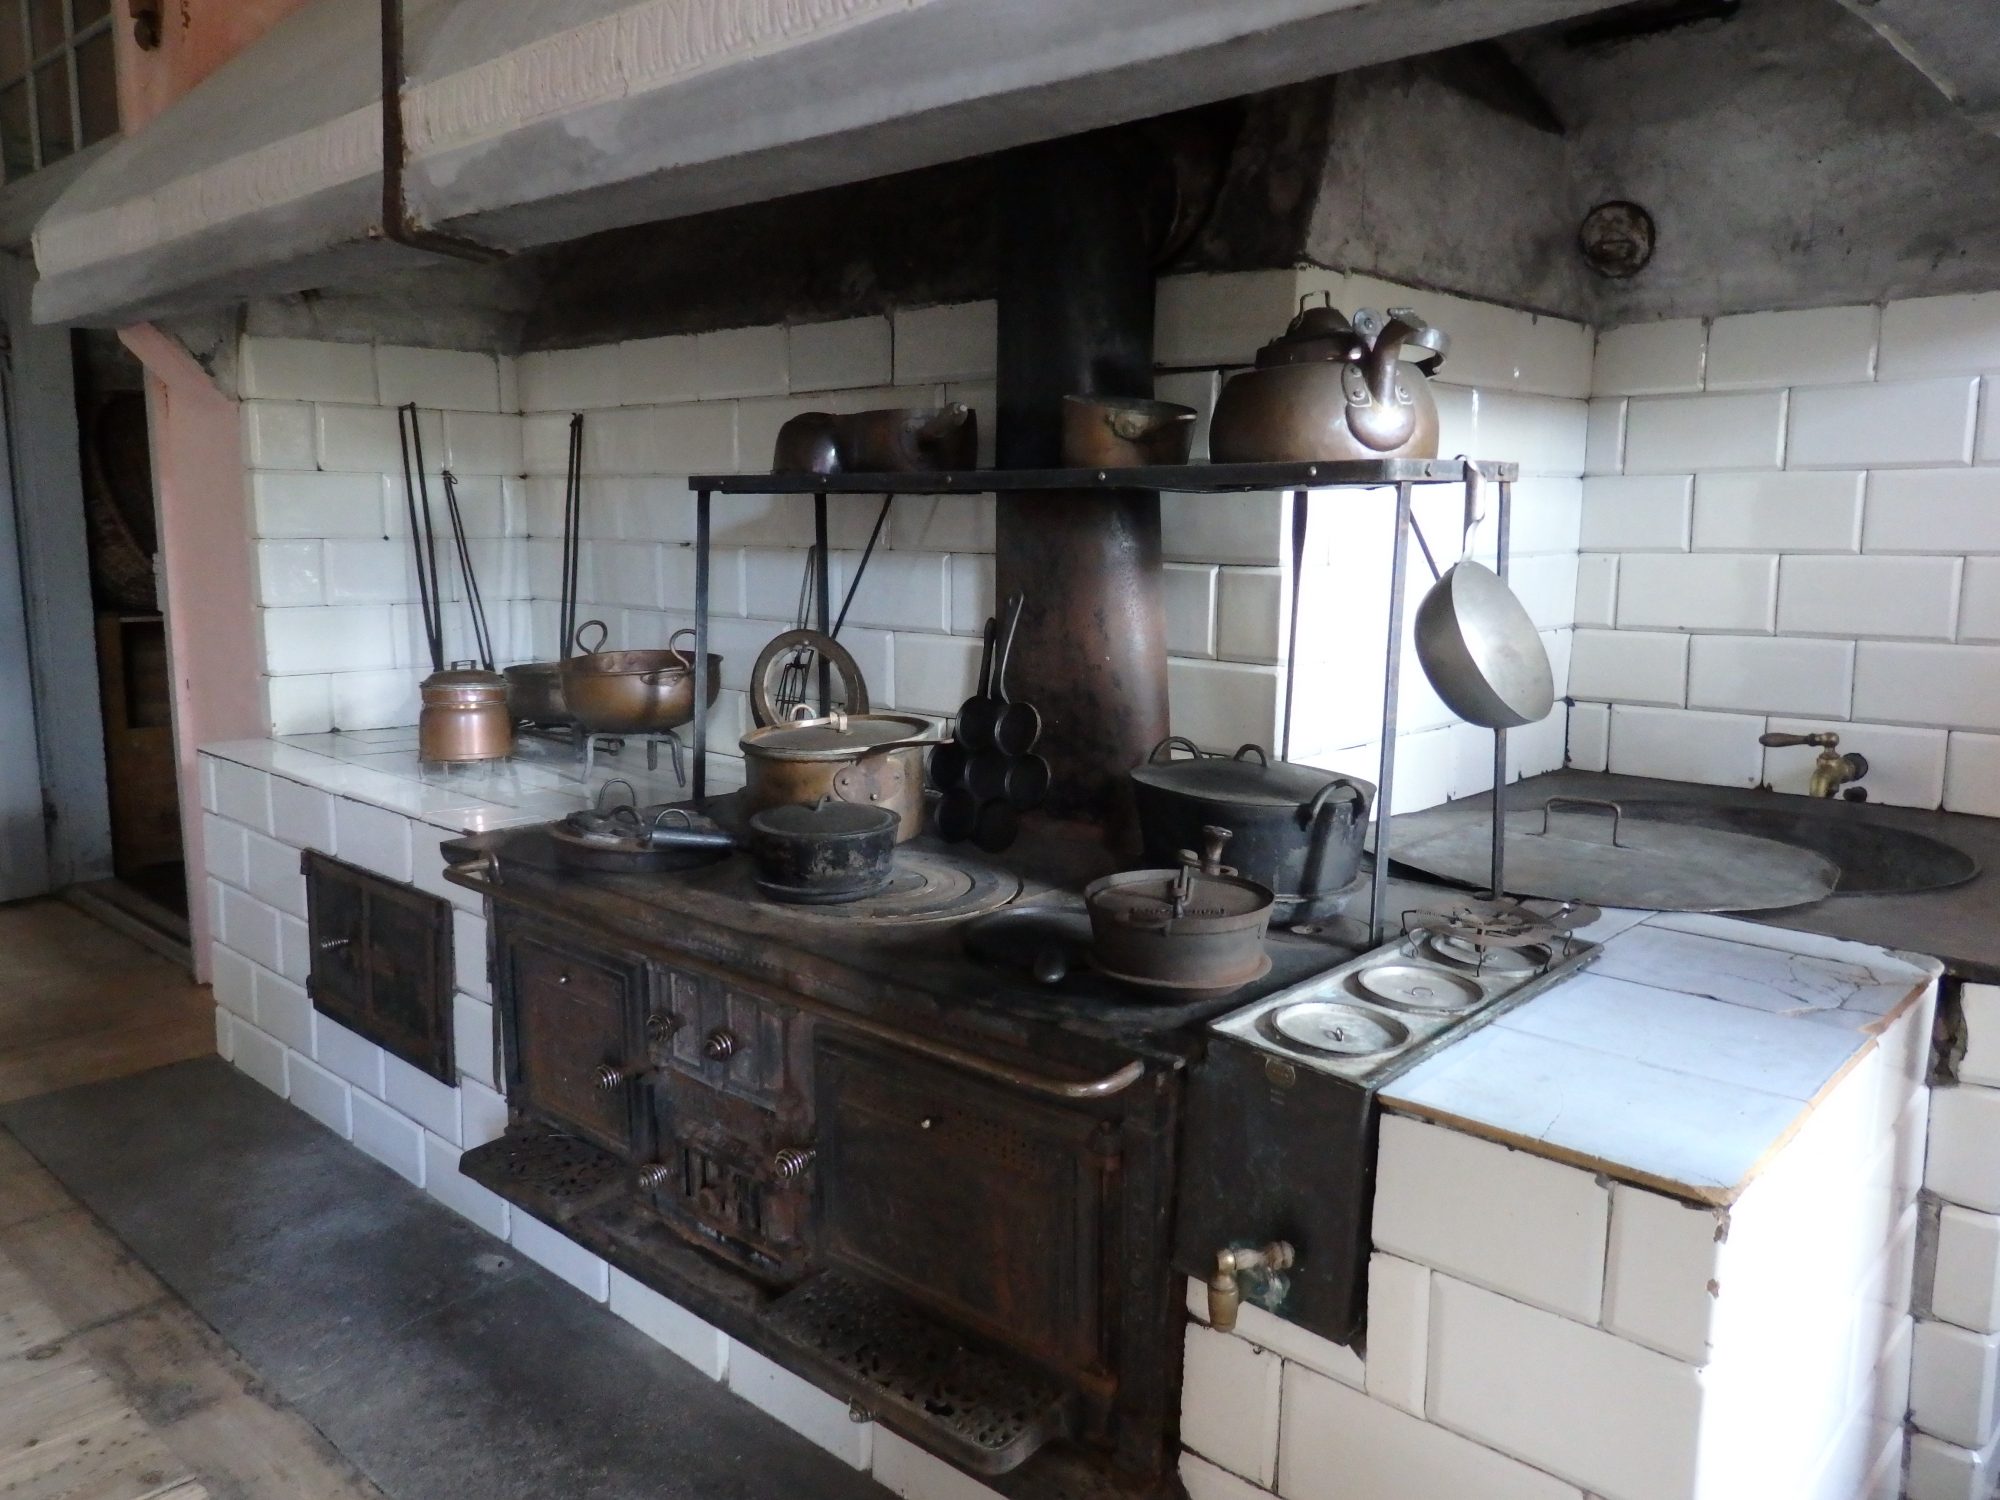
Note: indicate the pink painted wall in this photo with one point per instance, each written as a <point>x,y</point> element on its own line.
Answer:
<point>211,586</point>
<point>196,38</point>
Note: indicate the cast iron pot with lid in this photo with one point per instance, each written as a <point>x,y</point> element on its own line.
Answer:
<point>1296,829</point>
<point>1196,930</point>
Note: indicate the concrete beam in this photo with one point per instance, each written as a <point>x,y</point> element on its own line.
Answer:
<point>1956,46</point>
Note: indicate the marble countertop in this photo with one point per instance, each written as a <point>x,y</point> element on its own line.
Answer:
<point>545,779</point>
<point>1681,1059</point>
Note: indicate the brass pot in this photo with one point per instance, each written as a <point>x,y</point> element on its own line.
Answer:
<point>876,760</point>
<point>634,692</point>
<point>1117,432</point>
<point>464,717</point>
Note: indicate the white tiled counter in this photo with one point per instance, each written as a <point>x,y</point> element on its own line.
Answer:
<point>1648,1237</point>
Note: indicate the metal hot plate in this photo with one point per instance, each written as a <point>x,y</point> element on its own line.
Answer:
<point>1339,1030</point>
<point>926,887</point>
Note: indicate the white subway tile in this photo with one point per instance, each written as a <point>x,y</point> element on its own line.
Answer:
<point>1883,426</point>
<point>1808,512</point>
<point>1933,510</point>
<point>1197,390</point>
<point>472,1036</point>
<point>1640,514</point>
<point>1979,608</point>
<point>481,443</point>
<point>242,794</point>
<point>1629,666</point>
<point>1650,359</point>
<point>278,434</point>
<point>1768,674</point>
<point>1660,1278</point>
<point>302,816</point>
<point>1604,436</point>
<point>369,440</point>
<point>373,700</point>
<point>454,379</point>
<point>1204,1481</point>
<point>372,837</point>
<point>1283,1338</point>
<point>839,355</point>
<point>1544,434</point>
<point>485,1114</point>
<point>1521,1224</point>
<point>1944,1471</point>
<point>670,1325</point>
<point>259,1057</point>
<point>1222,319</point>
<point>1249,619</point>
<point>1966,1286</point>
<point>1716,591</point>
<point>646,372</point>
<point>320,1095</point>
<point>1972,775</point>
<point>1956,687</point>
<point>233,979</point>
<point>809,1411</point>
<point>1588,746</point>
<point>369,572</point>
<point>341,1051</point>
<point>1936,335</point>
<point>1215,702</point>
<point>649,440</point>
<point>1683,434</point>
<point>904,1469</point>
<point>1905,766</point>
<point>459,1193</point>
<point>957,341</point>
<point>1962,1164</point>
<point>1596,1409</point>
<point>1229,1403</point>
<point>556,1252</point>
<point>308,370</point>
<point>347,638</point>
<point>316,505</point>
<point>902,591</point>
<point>283,1010</point>
<point>1981,1063</point>
<point>298,705</point>
<point>1813,346</point>
<point>250,927</point>
<point>421,1098</point>
<point>1596,591</point>
<point>741,362</point>
<point>1244,529</point>
<point>469,954</point>
<point>1548,515</point>
<point>1188,592</point>
<point>1337,1444</point>
<point>934,673</point>
<point>1907,597</point>
<point>225,849</point>
<point>294,956</point>
<point>1399,1313</point>
<point>389,1137</point>
<point>1720,749</point>
<point>291,574</point>
<point>1955,1384</point>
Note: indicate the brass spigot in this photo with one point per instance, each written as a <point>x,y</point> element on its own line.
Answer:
<point>1832,770</point>
<point>1225,1291</point>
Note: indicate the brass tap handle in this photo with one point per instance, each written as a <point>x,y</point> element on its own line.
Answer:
<point>1824,740</point>
<point>1225,1290</point>
<point>720,1045</point>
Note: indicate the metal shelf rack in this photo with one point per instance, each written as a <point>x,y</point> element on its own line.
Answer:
<point>1401,474</point>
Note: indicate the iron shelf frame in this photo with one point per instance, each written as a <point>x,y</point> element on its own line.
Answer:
<point>1403,475</point>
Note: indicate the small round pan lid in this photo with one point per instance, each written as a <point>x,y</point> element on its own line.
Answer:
<point>836,737</point>
<point>830,818</point>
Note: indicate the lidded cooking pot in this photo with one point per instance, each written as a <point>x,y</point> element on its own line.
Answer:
<point>873,759</point>
<point>464,718</point>
<point>1334,389</point>
<point>1297,829</point>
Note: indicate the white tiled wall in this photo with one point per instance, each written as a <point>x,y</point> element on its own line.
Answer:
<point>1538,1332</point>
<point>343,645</point>
<point>1813,497</point>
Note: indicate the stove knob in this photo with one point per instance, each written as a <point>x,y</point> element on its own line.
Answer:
<point>792,1163</point>
<point>655,1177</point>
<point>612,1077</point>
<point>719,1045</point>
<point>660,1026</point>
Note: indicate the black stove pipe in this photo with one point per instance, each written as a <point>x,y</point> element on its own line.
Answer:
<point>1080,229</point>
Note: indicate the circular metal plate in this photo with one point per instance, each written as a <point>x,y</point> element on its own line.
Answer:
<point>1463,953</point>
<point>1196,990</point>
<point>926,887</point>
<point>1338,1030</point>
<point>1419,988</point>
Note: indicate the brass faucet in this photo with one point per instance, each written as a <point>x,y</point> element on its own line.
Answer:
<point>1225,1289</point>
<point>1832,770</point>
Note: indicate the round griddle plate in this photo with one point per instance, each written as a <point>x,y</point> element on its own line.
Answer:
<point>1419,987</point>
<point>1337,1030</point>
<point>926,887</point>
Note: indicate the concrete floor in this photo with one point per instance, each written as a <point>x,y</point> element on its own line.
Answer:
<point>433,1358</point>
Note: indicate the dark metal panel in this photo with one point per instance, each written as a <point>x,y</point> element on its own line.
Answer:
<point>382,962</point>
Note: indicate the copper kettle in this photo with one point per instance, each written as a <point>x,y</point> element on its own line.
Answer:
<point>1331,388</point>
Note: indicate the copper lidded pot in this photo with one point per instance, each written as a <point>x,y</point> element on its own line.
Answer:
<point>465,718</point>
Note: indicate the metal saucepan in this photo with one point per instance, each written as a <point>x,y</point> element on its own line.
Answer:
<point>1194,931</point>
<point>1298,829</point>
<point>1477,644</point>
<point>633,692</point>
<point>1120,432</point>
<point>821,855</point>
<point>874,760</point>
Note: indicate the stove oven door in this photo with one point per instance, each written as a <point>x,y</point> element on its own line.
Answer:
<point>993,1208</point>
<point>575,1058</point>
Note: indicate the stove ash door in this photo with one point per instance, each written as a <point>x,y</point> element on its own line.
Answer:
<point>1274,1150</point>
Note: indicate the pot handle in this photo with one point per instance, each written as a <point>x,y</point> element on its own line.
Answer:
<point>1263,756</point>
<point>1175,742</point>
<point>1323,798</point>
<point>684,630</point>
<point>603,635</point>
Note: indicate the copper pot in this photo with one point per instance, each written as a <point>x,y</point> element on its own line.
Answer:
<point>1331,390</point>
<point>634,692</point>
<point>1117,432</point>
<point>534,693</point>
<point>464,717</point>
<point>872,759</point>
